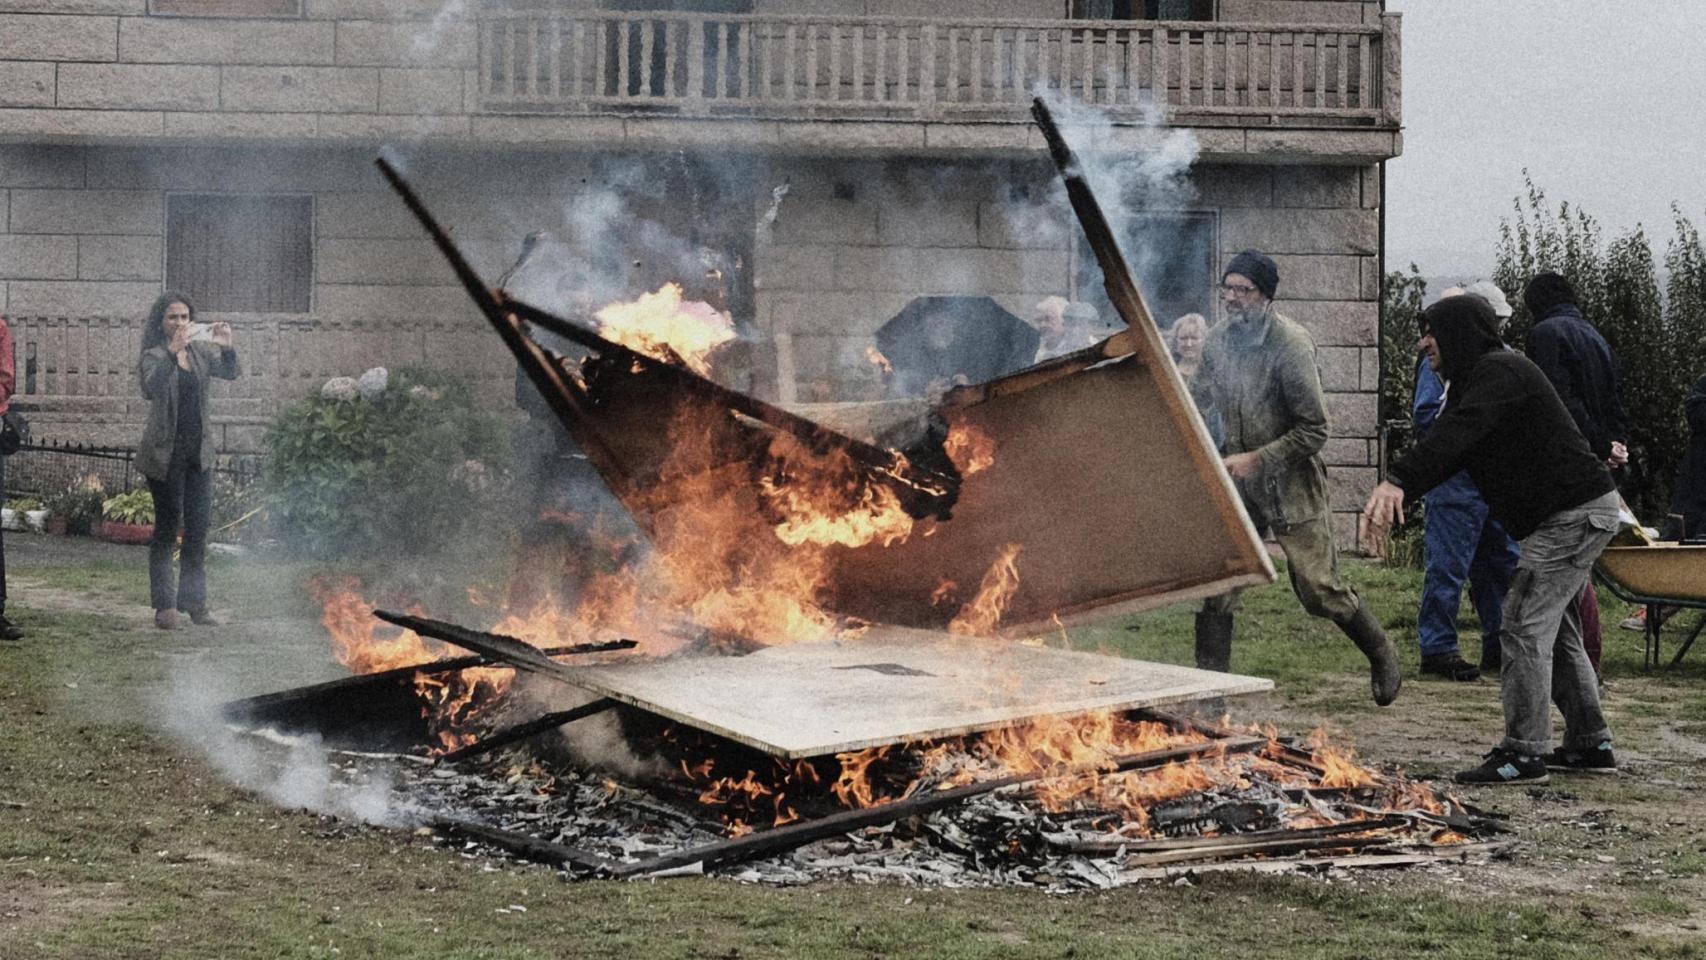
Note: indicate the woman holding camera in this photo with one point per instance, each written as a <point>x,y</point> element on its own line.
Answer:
<point>179,360</point>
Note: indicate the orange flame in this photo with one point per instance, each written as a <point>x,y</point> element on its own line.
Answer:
<point>970,448</point>
<point>981,616</point>
<point>664,326</point>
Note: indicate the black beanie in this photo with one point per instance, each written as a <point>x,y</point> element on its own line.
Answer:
<point>1545,291</point>
<point>1259,267</point>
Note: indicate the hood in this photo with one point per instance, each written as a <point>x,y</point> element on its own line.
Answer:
<point>1463,326</point>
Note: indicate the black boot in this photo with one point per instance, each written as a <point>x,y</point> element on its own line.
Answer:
<point>1214,641</point>
<point>1383,672</point>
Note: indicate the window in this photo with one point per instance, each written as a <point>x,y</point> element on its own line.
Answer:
<point>1141,9</point>
<point>226,8</point>
<point>241,254</point>
<point>1172,256</point>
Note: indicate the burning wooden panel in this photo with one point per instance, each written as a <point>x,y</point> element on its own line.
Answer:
<point>893,685</point>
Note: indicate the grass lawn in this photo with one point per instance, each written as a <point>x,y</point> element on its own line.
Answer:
<point>117,841</point>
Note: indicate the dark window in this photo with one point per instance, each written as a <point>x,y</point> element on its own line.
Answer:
<point>226,8</point>
<point>241,254</point>
<point>1141,9</point>
<point>1172,256</point>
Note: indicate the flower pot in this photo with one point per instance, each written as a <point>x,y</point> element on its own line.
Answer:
<point>126,532</point>
<point>56,525</point>
<point>35,520</point>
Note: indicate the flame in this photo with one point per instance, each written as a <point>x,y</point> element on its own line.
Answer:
<point>664,326</point>
<point>879,361</point>
<point>453,701</point>
<point>1339,763</point>
<point>944,592</point>
<point>970,448</point>
<point>981,616</point>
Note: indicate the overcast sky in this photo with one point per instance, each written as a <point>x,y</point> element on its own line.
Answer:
<point>1601,102</point>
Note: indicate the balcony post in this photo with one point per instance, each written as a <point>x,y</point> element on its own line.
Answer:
<point>696,102</point>
<point>927,71</point>
<point>1391,90</point>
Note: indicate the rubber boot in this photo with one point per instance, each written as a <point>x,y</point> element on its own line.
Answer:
<point>1383,673</point>
<point>1214,641</point>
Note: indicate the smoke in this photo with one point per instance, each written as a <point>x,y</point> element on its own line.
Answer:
<point>430,40</point>
<point>292,773</point>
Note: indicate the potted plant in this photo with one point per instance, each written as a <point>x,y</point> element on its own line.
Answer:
<point>129,517</point>
<point>77,508</point>
<point>18,510</point>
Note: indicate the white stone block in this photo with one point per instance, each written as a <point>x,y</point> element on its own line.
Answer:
<point>1319,277</point>
<point>26,84</point>
<point>1341,368</point>
<point>87,211</point>
<point>420,91</point>
<point>443,42</point>
<point>1353,414</point>
<point>119,258</point>
<point>135,86</point>
<point>1279,231</point>
<point>38,257</point>
<point>57,38</point>
<point>281,127</point>
<point>194,40</point>
<point>300,89</point>
<point>1335,323</point>
<point>377,261</point>
<point>80,298</point>
<point>1323,186</point>
<point>27,124</point>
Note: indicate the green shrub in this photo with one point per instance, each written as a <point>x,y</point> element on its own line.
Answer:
<point>23,504</point>
<point>408,472</point>
<point>137,506</point>
<point>80,504</point>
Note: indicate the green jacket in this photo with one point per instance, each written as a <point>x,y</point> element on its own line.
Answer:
<point>160,373</point>
<point>1265,385</point>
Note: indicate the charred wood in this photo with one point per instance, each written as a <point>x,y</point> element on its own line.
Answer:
<point>522,845</point>
<point>1103,845</point>
<point>534,727</point>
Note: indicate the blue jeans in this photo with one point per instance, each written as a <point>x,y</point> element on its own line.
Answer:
<point>1462,542</point>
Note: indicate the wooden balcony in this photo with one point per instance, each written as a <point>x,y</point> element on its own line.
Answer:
<point>770,67</point>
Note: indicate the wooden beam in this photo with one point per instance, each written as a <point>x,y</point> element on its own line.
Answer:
<point>522,845</point>
<point>522,731</point>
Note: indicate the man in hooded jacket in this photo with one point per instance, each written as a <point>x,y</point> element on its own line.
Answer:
<point>1506,425</point>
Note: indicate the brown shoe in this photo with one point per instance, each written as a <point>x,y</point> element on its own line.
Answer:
<point>202,618</point>
<point>166,619</point>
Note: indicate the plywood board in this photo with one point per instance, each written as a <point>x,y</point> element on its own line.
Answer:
<point>894,685</point>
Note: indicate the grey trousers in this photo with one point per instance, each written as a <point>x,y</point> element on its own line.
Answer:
<point>1544,662</point>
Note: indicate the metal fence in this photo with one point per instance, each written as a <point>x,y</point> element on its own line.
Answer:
<point>44,469</point>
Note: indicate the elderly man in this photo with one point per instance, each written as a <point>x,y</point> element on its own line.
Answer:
<point>1507,427</point>
<point>1260,369</point>
<point>1462,542</point>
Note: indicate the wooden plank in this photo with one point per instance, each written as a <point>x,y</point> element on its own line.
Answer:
<point>522,845</point>
<point>532,728</point>
<point>894,685</point>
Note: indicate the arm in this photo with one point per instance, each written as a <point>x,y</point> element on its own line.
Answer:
<point>1546,348</point>
<point>158,365</point>
<point>1306,405</point>
<point>1485,402</point>
<point>8,365</point>
<point>1430,396</point>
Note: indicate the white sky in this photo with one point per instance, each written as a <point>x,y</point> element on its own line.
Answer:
<point>1604,103</point>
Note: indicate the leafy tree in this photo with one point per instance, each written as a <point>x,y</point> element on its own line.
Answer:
<point>1401,309</point>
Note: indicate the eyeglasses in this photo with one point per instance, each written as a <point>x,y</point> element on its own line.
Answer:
<point>1242,289</point>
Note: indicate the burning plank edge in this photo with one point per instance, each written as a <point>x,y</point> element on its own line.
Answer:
<point>508,650</point>
<point>1127,300</point>
<point>522,731</point>
<point>795,835</point>
<point>923,491</point>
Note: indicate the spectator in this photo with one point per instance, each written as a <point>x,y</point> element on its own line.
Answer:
<point>8,381</point>
<point>1688,500</point>
<point>1583,370</point>
<point>1062,328</point>
<point>1186,339</point>
<point>1461,540</point>
<point>176,453</point>
<point>1507,427</point>
<point>1260,368</point>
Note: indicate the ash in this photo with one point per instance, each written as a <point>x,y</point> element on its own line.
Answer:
<point>1004,838</point>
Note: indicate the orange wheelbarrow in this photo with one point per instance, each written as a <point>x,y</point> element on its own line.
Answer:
<point>1658,576</point>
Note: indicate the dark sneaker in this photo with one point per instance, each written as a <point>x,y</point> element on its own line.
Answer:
<point>202,618</point>
<point>1598,759</point>
<point>1505,766</point>
<point>1451,666</point>
<point>10,631</point>
<point>1491,666</point>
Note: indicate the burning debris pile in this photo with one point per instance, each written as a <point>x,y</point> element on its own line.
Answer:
<point>842,653</point>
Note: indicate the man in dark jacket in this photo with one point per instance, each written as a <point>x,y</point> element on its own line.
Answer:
<point>1688,499</point>
<point>1506,425</point>
<point>1583,370</point>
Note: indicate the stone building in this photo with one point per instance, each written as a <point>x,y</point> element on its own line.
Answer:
<point>838,158</point>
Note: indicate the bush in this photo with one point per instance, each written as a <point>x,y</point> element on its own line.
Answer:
<point>137,507</point>
<point>406,471</point>
<point>1660,341</point>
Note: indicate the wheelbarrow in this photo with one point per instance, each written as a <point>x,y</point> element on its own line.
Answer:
<point>1658,576</point>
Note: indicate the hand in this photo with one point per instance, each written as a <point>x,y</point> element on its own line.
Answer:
<point>180,339</point>
<point>1619,455</point>
<point>222,334</point>
<point>1243,465</point>
<point>1384,508</point>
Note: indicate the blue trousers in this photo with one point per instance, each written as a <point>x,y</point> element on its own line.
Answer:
<point>1462,542</point>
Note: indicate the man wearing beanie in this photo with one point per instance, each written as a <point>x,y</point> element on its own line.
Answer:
<point>1505,425</point>
<point>1260,368</point>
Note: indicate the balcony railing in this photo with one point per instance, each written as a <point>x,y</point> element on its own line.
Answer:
<point>928,69</point>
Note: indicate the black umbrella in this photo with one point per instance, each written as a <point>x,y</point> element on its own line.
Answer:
<point>949,338</point>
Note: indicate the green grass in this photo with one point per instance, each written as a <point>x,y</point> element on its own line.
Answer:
<point>124,844</point>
